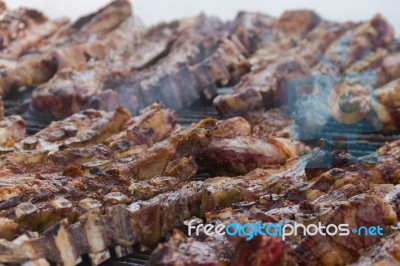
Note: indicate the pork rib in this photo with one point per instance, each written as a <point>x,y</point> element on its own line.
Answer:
<point>37,69</point>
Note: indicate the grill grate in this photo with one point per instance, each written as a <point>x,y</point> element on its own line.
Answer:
<point>137,258</point>
<point>18,103</point>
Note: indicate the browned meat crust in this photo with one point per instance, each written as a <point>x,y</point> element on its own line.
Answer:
<point>12,130</point>
<point>41,67</point>
<point>265,85</point>
<point>361,194</point>
<point>16,24</point>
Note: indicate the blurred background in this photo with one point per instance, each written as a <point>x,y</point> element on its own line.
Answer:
<point>153,11</point>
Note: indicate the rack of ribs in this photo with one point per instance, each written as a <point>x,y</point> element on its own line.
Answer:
<point>146,171</point>
<point>190,57</point>
<point>15,24</point>
<point>264,87</point>
<point>114,27</point>
<point>12,130</point>
<point>362,194</point>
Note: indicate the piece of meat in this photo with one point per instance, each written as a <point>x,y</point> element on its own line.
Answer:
<point>253,30</point>
<point>141,222</point>
<point>154,45</point>
<point>39,68</point>
<point>94,25</point>
<point>358,194</point>
<point>351,46</point>
<point>232,127</point>
<point>200,59</point>
<point>389,69</point>
<point>174,156</point>
<point>152,125</point>
<point>70,91</point>
<point>237,149</point>
<point>298,22</point>
<point>263,35</point>
<point>211,251</point>
<point>383,253</point>
<point>360,210</point>
<point>187,67</point>
<point>88,138</point>
<point>260,251</point>
<point>78,131</point>
<point>76,89</point>
<point>266,86</point>
<point>157,216</point>
<point>33,39</point>
<point>240,155</point>
<point>16,24</point>
<point>190,199</point>
<point>378,108</point>
<point>12,130</point>
<point>387,109</point>
<point>261,87</point>
<point>369,62</point>
<point>48,198</point>
<point>274,122</point>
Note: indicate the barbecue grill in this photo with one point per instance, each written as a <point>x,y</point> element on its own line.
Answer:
<point>98,181</point>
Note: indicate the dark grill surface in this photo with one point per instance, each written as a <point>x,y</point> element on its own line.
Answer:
<point>19,104</point>
<point>135,259</point>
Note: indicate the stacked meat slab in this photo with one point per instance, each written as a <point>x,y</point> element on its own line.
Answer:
<point>112,172</point>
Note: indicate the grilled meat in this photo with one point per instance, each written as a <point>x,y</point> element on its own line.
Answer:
<point>190,251</point>
<point>141,222</point>
<point>237,149</point>
<point>265,85</point>
<point>88,137</point>
<point>389,69</point>
<point>175,156</point>
<point>71,90</point>
<point>367,37</point>
<point>232,127</point>
<point>259,88</point>
<point>192,58</point>
<point>193,199</point>
<point>357,194</point>
<point>387,105</point>
<point>240,155</point>
<point>298,22</point>
<point>98,23</point>
<point>262,34</point>
<point>12,130</point>
<point>31,40</point>
<point>80,130</point>
<point>152,125</point>
<point>16,24</point>
<point>382,253</point>
<point>38,201</point>
<point>274,122</point>
<point>378,107</point>
<point>103,179</point>
<point>252,93</point>
<point>37,69</point>
<point>253,30</point>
